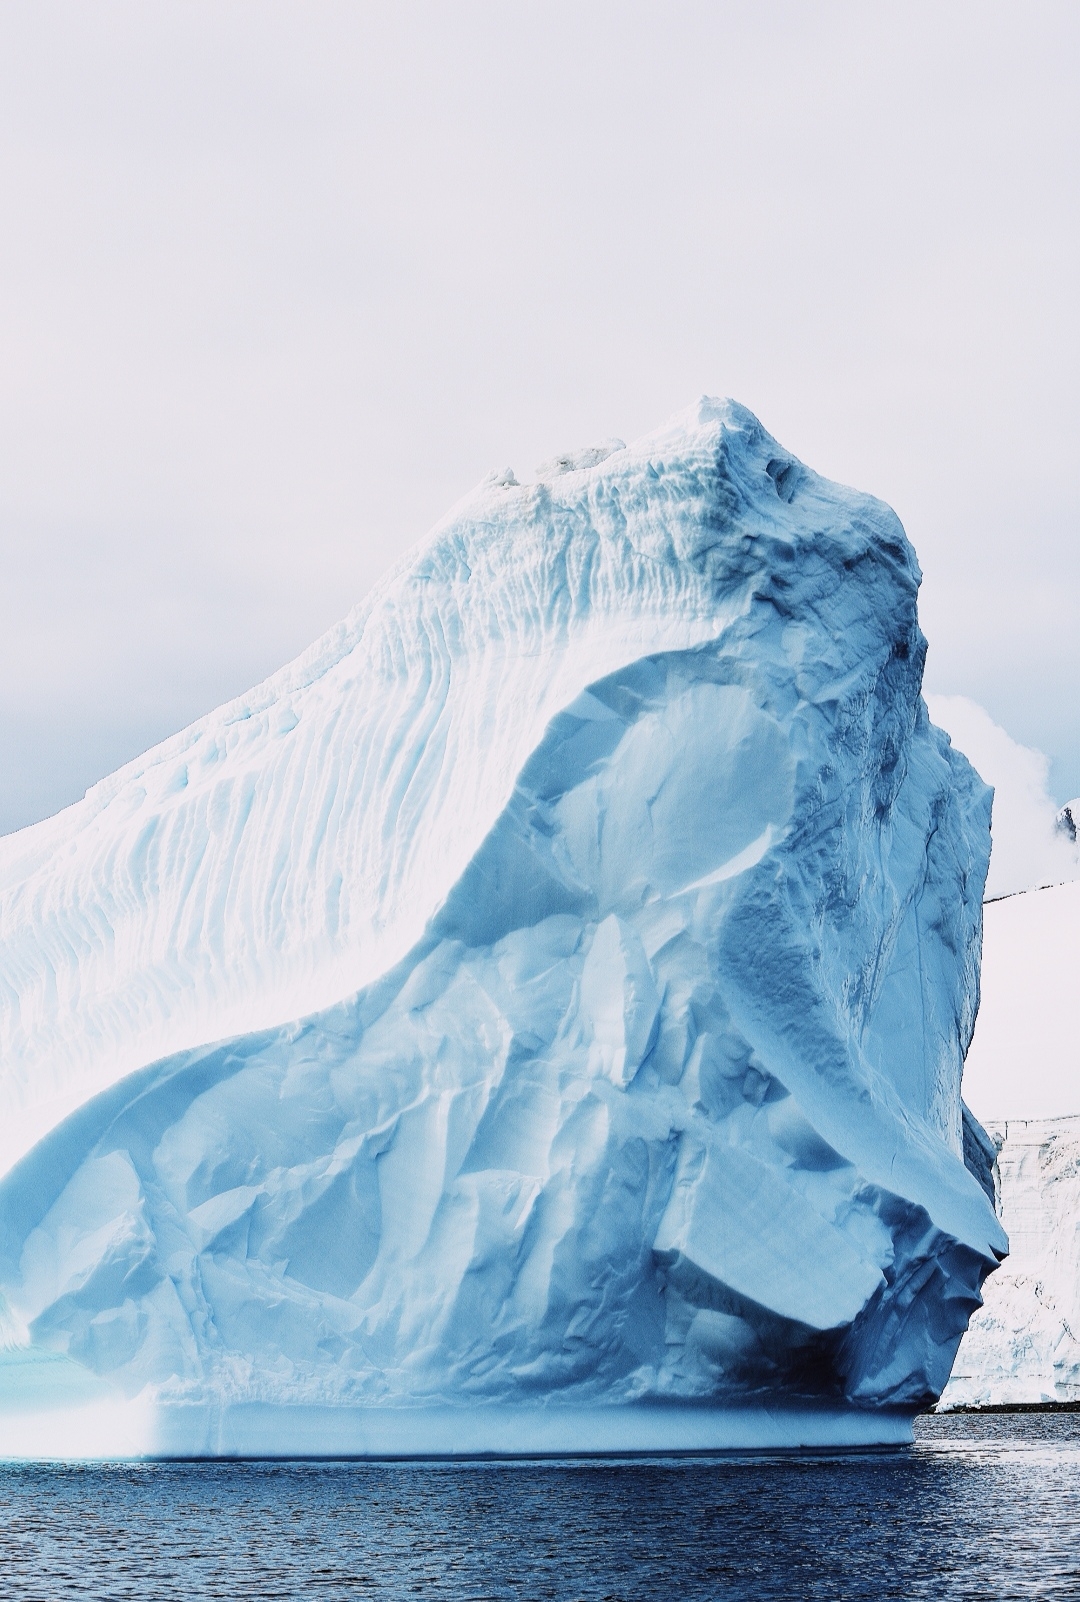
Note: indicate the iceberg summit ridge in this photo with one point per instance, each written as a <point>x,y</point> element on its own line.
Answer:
<point>532,1020</point>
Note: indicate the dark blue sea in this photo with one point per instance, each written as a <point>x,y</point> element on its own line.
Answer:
<point>985,1507</point>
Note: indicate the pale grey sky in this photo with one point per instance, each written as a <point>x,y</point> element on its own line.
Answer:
<point>280,281</point>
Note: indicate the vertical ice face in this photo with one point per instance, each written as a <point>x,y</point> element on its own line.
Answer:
<point>592,924</point>
<point>1024,1345</point>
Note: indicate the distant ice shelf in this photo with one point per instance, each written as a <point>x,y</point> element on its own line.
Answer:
<point>1023,1079</point>
<point>533,1020</point>
<point>1023,1346</point>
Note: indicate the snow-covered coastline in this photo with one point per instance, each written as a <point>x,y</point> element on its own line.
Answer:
<point>1022,1347</point>
<point>1022,1077</point>
<point>1022,1080</point>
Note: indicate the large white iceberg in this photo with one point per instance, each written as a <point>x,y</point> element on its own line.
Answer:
<point>533,1020</point>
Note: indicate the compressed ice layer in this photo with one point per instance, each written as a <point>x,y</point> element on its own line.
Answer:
<point>595,917</point>
<point>1024,1345</point>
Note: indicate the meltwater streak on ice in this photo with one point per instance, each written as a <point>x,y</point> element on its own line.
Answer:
<point>597,915</point>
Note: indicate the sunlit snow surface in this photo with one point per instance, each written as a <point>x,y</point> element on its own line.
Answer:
<point>592,926</point>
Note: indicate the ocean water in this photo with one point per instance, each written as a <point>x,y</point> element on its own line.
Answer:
<point>984,1507</point>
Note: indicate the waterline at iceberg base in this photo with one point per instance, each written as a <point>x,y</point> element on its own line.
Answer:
<point>148,1428</point>
<point>532,1021</point>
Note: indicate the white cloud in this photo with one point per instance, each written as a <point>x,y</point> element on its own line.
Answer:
<point>1028,849</point>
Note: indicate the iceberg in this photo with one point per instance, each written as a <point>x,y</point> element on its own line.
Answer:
<point>531,1021</point>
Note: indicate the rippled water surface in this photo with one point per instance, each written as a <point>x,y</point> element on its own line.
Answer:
<point>981,1507</point>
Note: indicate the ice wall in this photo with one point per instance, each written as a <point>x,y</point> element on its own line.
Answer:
<point>1024,1344</point>
<point>547,999</point>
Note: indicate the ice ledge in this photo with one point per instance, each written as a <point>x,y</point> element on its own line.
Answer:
<point>256,1430</point>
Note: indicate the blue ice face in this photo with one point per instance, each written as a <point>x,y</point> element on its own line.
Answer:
<point>660,1101</point>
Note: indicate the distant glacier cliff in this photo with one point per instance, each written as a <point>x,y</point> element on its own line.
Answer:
<point>532,1020</point>
<point>1023,1346</point>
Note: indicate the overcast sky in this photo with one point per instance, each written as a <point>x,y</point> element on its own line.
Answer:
<point>279,282</point>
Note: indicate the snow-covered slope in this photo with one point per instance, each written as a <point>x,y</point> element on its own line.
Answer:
<point>594,920</point>
<point>1024,1344</point>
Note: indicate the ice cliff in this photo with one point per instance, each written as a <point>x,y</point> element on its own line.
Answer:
<point>535,1018</point>
<point>1024,1344</point>
<point>1023,1078</point>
